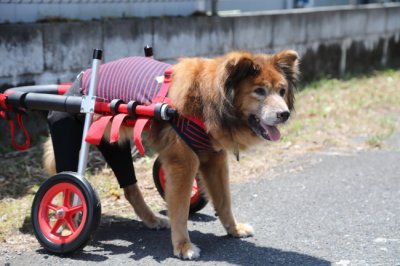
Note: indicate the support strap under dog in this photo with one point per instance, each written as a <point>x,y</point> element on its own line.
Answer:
<point>5,114</point>
<point>98,127</point>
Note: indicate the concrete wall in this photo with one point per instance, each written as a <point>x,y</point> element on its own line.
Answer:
<point>331,41</point>
<point>15,11</point>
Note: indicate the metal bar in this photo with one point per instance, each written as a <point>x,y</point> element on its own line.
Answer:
<point>83,153</point>
<point>41,101</point>
<point>49,89</point>
<point>44,101</point>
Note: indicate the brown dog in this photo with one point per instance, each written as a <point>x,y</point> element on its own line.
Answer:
<point>241,97</point>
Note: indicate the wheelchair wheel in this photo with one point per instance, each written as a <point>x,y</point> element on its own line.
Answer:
<point>65,213</point>
<point>197,201</point>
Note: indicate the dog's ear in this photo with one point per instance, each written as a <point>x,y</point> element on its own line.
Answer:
<point>239,69</point>
<point>288,62</point>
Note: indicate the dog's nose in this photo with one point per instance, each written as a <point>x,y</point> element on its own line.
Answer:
<point>283,116</point>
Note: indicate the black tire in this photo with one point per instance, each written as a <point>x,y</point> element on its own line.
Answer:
<point>196,204</point>
<point>89,213</point>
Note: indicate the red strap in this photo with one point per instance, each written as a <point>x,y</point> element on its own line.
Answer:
<point>162,93</point>
<point>141,123</point>
<point>24,131</point>
<point>3,98</point>
<point>11,125</point>
<point>115,126</point>
<point>3,115</point>
<point>96,130</point>
<point>197,121</point>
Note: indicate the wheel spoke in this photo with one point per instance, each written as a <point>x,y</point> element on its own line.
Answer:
<point>53,207</point>
<point>56,225</point>
<point>71,224</point>
<point>75,209</point>
<point>67,197</point>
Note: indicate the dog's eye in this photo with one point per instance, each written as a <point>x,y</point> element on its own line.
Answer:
<point>260,91</point>
<point>282,92</point>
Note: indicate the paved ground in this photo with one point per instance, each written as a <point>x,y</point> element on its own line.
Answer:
<point>323,209</point>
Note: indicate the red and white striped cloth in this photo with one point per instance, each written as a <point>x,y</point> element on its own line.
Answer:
<point>138,79</point>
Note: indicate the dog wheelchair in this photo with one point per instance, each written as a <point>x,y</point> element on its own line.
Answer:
<point>66,209</point>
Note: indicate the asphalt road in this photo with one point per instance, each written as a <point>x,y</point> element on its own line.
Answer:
<point>322,209</point>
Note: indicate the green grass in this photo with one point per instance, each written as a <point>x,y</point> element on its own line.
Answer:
<point>365,106</point>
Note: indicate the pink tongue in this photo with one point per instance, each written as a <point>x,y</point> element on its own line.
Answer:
<point>273,133</point>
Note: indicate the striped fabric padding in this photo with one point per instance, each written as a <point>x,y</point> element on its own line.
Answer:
<point>194,135</point>
<point>131,78</point>
<point>134,78</point>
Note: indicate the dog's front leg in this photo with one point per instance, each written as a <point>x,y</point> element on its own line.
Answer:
<point>181,170</point>
<point>135,198</point>
<point>215,173</point>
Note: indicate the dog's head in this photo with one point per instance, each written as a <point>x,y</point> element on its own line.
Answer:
<point>259,91</point>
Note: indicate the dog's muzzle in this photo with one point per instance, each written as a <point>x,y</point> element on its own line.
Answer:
<point>265,131</point>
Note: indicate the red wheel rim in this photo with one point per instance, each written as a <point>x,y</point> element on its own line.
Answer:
<point>195,195</point>
<point>60,221</point>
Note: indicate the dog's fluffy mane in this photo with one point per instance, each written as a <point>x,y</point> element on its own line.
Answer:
<point>207,88</point>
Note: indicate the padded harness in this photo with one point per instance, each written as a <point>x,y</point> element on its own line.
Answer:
<point>140,79</point>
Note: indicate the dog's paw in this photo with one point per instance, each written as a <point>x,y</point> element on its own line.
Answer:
<point>241,230</point>
<point>187,251</point>
<point>157,223</point>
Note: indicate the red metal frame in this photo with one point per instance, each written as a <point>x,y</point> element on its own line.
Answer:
<point>63,87</point>
<point>39,98</point>
<point>140,110</point>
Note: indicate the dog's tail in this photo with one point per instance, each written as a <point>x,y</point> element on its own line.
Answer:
<point>49,160</point>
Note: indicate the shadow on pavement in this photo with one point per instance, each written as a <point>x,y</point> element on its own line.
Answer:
<point>124,236</point>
